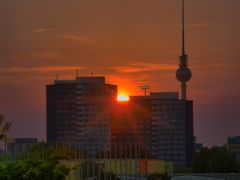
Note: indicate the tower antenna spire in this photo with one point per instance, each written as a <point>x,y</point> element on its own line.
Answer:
<point>183,73</point>
<point>183,28</point>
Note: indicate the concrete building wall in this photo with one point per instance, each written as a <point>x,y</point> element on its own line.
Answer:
<point>79,112</point>
<point>161,123</point>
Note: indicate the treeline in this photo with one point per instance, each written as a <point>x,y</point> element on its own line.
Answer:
<point>215,160</point>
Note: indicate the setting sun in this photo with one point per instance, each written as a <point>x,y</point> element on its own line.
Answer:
<point>123,98</point>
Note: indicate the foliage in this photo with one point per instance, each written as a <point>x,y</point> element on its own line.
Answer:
<point>4,127</point>
<point>215,160</point>
<point>183,170</point>
<point>224,162</point>
<point>158,176</point>
<point>40,162</point>
<point>57,152</point>
<point>33,170</point>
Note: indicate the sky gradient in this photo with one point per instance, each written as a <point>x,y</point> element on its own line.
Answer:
<point>132,43</point>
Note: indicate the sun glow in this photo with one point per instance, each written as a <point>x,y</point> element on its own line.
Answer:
<point>123,98</point>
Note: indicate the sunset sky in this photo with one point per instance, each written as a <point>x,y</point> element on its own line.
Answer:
<point>132,43</point>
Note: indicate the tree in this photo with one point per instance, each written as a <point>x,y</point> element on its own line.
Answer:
<point>4,128</point>
<point>223,161</point>
<point>215,160</point>
<point>201,161</point>
<point>46,151</point>
<point>33,170</point>
<point>183,170</point>
<point>40,162</point>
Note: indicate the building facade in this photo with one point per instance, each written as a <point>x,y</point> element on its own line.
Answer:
<point>161,123</point>
<point>131,123</point>
<point>79,112</point>
<point>172,128</point>
<point>84,112</point>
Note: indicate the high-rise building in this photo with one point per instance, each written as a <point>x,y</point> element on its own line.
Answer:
<point>79,111</point>
<point>161,122</point>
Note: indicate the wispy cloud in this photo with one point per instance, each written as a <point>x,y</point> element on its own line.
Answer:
<point>143,67</point>
<point>217,66</point>
<point>43,69</point>
<point>202,24</point>
<point>47,54</point>
<point>78,37</point>
<point>38,54</point>
<point>40,30</point>
<point>197,24</point>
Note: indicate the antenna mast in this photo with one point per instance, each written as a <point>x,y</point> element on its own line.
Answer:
<point>145,88</point>
<point>183,28</point>
<point>77,74</point>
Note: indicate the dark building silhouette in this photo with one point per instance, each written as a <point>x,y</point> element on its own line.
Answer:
<point>84,112</point>
<point>20,145</point>
<point>233,145</point>
<point>79,111</point>
<point>197,146</point>
<point>161,122</point>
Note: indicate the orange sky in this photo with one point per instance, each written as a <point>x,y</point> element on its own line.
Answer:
<point>132,43</point>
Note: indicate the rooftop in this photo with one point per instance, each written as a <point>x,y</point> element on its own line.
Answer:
<point>84,79</point>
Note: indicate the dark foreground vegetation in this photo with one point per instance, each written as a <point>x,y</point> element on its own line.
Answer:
<point>216,160</point>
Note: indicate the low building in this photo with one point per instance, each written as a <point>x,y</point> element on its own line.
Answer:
<point>233,145</point>
<point>197,146</point>
<point>128,167</point>
<point>131,167</point>
<point>20,145</point>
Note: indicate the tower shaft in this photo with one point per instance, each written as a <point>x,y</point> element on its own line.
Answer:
<point>184,90</point>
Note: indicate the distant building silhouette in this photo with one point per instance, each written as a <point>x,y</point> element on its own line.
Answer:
<point>197,146</point>
<point>20,145</point>
<point>233,145</point>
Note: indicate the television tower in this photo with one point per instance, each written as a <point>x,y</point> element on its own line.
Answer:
<point>183,73</point>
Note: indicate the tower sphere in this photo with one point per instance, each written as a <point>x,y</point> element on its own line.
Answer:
<point>183,74</point>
